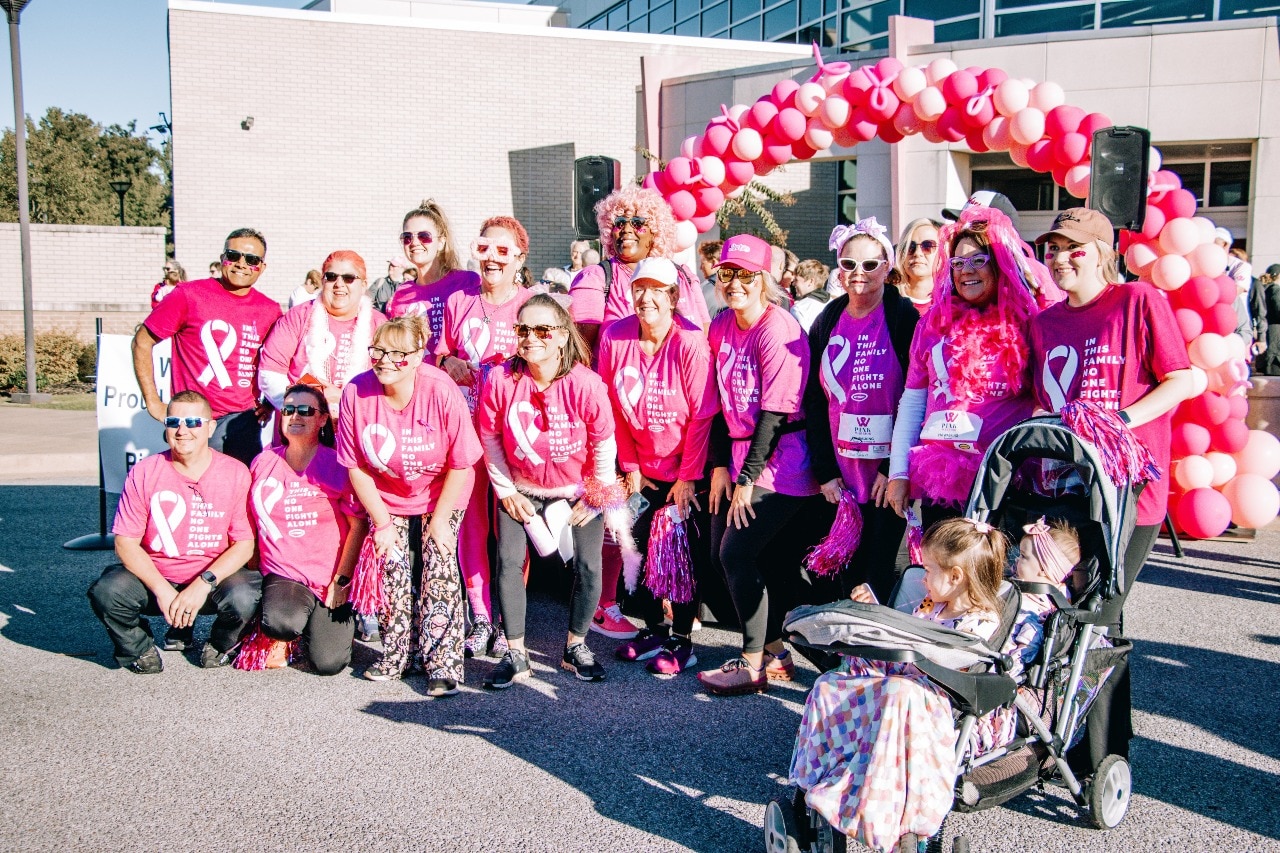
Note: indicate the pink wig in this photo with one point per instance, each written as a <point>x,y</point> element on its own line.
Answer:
<point>632,200</point>
<point>349,257</point>
<point>513,225</point>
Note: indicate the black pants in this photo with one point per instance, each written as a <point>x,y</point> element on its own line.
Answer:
<point>698,529</point>
<point>513,547</point>
<point>239,435</point>
<point>122,602</point>
<point>762,593</point>
<point>875,561</point>
<point>291,610</point>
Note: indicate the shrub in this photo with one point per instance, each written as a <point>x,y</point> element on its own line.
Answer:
<point>57,361</point>
<point>87,363</point>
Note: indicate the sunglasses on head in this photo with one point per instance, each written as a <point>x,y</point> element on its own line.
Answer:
<point>426,238</point>
<point>542,332</point>
<point>231,256</point>
<point>304,410</point>
<point>498,250</point>
<point>637,223</point>
<point>868,266</point>
<point>969,264</point>
<point>348,277</point>
<point>172,422</point>
<point>398,357</point>
<point>926,246</point>
<point>724,275</point>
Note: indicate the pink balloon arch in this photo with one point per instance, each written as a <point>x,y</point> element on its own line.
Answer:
<point>1222,470</point>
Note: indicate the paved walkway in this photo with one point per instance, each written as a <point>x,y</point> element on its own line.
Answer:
<point>47,445</point>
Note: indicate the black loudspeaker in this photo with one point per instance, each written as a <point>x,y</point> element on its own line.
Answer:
<point>593,179</point>
<point>1118,175</point>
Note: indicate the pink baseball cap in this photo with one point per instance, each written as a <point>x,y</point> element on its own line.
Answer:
<point>747,252</point>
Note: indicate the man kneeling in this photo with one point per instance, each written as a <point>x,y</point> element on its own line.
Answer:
<point>183,537</point>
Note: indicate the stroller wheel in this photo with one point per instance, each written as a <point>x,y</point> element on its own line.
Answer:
<point>780,828</point>
<point>1109,793</point>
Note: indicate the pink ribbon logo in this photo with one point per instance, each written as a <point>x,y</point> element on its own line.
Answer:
<point>379,446</point>
<point>831,367</point>
<point>522,421</point>
<point>1056,385</point>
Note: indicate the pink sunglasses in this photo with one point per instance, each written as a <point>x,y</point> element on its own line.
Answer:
<point>498,250</point>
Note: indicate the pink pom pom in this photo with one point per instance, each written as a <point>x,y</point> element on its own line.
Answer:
<point>834,552</point>
<point>257,650</point>
<point>668,568</point>
<point>1124,457</point>
<point>368,595</point>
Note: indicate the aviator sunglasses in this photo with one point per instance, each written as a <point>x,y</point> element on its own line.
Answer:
<point>348,277</point>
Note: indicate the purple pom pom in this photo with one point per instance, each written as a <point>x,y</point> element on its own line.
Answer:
<point>834,552</point>
<point>668,569</point>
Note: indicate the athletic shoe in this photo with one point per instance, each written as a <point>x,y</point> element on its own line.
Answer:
<point>735,678</point>
<point>211,658</point>
<point>514,667</point>
<point>780,667</point>
<point>498,643</point>
<point>579,660</point>
<point>440,687</point>
<point>646,644</point>
<point>381,671</point>
<point>610,622</point>
<point>674,658</point>
<point>177,639</point>
<point>147,663</point>
<point>478,640</point>
<point>366,627</point>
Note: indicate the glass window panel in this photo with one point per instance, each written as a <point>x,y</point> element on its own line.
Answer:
<point>1027,190</point>
<point>662,17</point>
<point>1128,13</point>
<point>1192,175</point>
<point>747,30</point>
<point>637,8</point>
<point>830,7</point>
<point>1045,21</point>
<point>618,17</point>
<point>824,36</point>
<point>744,8</point>
<point>599,24</point>
<point>639,25</point>
<point>937,10</point>
<point>1229,183</point>
<point>956,31</point>
<point>780,20</point>
<point>848,209</point>
<point>690,27</point>
<point>866,23</point>
<point>810,10</point>
<point>1067,200</point>
<point>715,18</point>
<point>1232,9</point>
<point>685,8</point>
<point>1020,4</point>
<point>790,38</point>
<point>848,176</point>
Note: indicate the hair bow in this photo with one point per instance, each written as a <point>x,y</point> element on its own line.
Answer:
<point>1054,563</point>
<point>842,234</point>
<point>980,526</point>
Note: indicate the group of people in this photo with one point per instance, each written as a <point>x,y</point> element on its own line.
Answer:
<point>634,426</point>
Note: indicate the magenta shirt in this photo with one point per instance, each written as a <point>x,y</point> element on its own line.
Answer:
<point>480,333</point>
<point>590,305</point>
<point>216,338</point>
<point>547,436</point>
<point>428,300</point>
<point>1113,352</point>
<point>285,350</point>
<point>184,524</point>
<point>662,404</point>
<point>863,382</point>
<point>407,452</point>
<point>764,369</point>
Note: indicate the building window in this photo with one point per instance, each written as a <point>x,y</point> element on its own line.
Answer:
<point>847,192</point>
<point>1027,189</point>
<point>1054,20</point>
<point>1229,183</point>
<point>1130,14</point>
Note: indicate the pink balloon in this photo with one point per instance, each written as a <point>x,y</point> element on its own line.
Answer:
<point>860,127</point>
<point>992,77</point>
<point>1071,148</point>
<point>1207,259</point>
<point>856,86</point>
<point>689,148</point>
<point>1179,236</point>
<point>662,183</point>
<point>1189,323</point>
<point>683,205</point>
<point>1260,455</point>
<point>716,140</point>
<point>891,134</point>
<point>1224,468</point>
<point>790,125</point>
<point>747,144</point>
<point>906,122</point>
<point>1153,222</point>
<point>881,103</point>
<point>887,69</point>
<point>1189,439</point>
<point>1018,154</point>
<point>738,112</point>
<point>1027,126</point>
<point>1226,289</point>
<point>704,223</point>
<point>959,87</point>
<point>1078,180</point>
<point>817,135</point>
<point>1203,513</point>
<point>712,170</point>
<point>762,114</point>
<point>1094,122</point>
<point>1178,204</point>
<point>1139,257</point>
<point>1170,272</point>
<point>1062,120</point>
<point>930,132</point>
<point>1230,436</point>
<point>976,142</point>
<point>834,112</point>
<point>777,152</point>
<point>950,126</point>
<point>929,104</point>
<point>708,200</point>
<point>1193,472</point>
<point>800,150</point>
<point>680,171</point>
<point>1040,155</point>
<point>1239,404</point>
<point>650,182</point>
<point>1221,319</point>
<point>784,92</point>
<point>996,134</point>
<point>1011,97</point>
<point>809,97</point>
<point>1208,351</point>
<point>978,111</point>
<point>738,172</point>
<point>1058,171</point>
<point>1254,500</point>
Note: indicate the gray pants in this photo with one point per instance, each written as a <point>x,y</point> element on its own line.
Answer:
<point>291,610</point>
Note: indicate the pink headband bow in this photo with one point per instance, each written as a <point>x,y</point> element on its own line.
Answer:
<point>868,227</point>
<point>1054,563</point>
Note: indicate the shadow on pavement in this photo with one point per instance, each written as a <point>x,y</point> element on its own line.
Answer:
<point>1167,571</point>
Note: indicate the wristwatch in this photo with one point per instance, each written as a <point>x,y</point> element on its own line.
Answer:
<point>210,578</point>
<point>342,580</point>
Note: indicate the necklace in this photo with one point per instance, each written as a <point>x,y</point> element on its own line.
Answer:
<point>485,311</point>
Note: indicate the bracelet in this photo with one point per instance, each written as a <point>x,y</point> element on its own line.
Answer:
<point>342,580</point>
<point>378,527</point>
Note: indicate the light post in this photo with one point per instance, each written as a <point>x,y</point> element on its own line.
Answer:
<point>121,186</point>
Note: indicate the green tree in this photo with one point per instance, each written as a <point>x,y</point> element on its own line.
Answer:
<point>71,161</point>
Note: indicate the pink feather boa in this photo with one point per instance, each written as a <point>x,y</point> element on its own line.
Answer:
<point>941,473</point>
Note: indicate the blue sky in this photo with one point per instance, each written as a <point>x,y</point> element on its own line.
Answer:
<point>108,59</point>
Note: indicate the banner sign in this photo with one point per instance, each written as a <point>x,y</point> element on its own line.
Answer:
<point>126,432</point>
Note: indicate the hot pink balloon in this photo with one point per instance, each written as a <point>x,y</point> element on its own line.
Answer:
<point>809,97</point>
<point>978,111</point>
<point>1203,513</point>
<point>887,69</point>
<point>1153,222</point>
<point>762,114</point>
<point>1040,155</point>
<point>1011,98</point>
<point>992,77</point>
<point>959,87</point>
<point>1027,126</point>
<point>708,199</point>
<point>1178,204</point>
<point>1077,182</point>
<point>929,104</point>
<point>1260,455</point>
<point>1179,236</point>
<point>747,144</point>
<point>682,204</point>
<point>680,171</point>
<point>976,142</point>
<point>738,171</point>
<point>716,140</point>
<point>800,150</point>
<point>950,125</point>
<point>1254,500</point>
<point>784,92</point>
<point>1170,272</point>
<point>650,182</point>
<point>860,127</point>
<point>856,86</point>
<point>1207,259</point>
<point>1189,323</point>
<point>777,152</point>
<point>704,223</point>
<point>1071,148</point>
<point>1058,171</point>
<point>881,103</point>
<point>1063,119</point>
<point>1094,122</point>
<point>789,125</point>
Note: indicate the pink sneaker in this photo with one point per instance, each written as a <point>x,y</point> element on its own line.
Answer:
<point>610,622</point>
<point>676,656</point>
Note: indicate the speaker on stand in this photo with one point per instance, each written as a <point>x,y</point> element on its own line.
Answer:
<point>593,179</point>
<point>1118,175</point>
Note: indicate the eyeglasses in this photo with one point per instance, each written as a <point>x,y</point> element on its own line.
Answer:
<point>638,223</point>
<point>348,277</point>
<point>498,250</point>
<point>724,275</point>
<point>398,357</point>
<point>868,266</point>
<point>172,422</point>
<point>928,247</point>
<point>231,256</point>
<point>543,332</point>
<point>303,410</point>
<point>426,238</point>
<point>969,264</point>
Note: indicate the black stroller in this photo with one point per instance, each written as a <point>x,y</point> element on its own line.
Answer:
<point>1038,467</point>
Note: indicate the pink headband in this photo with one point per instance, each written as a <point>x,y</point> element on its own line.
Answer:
<point>1054,564</point>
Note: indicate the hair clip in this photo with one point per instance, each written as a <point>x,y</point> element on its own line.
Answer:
<point>981,526</point>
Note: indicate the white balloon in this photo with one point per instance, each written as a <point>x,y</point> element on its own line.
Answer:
<point>939,70</point>
<point>686,235</point>
<point>1154,154</point>
<point>1199,381</point>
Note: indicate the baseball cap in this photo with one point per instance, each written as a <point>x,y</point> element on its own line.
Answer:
<point>985,198</point>
<point>661,270</point>
<point>1080,225</point>
<point>745,251</point>
<point>1273,270</point>
<point>1224,235</point>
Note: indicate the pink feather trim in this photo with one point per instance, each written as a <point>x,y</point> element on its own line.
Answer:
<point>668,568</point>
<point>942,473</point>
<point>833,553</point>
<point>367,593</point>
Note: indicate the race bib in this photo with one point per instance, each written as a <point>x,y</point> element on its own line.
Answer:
<point>864,436</point>
<point>960,428</point>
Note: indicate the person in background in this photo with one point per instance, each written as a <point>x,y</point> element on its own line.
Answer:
<point>809,289</point>
<point>788,277</point>
<point>555,280</point>
<point>308,290</point>
<point>590,258</point>
<point>1268,361</point>
<point>381,291</point>
<point>215,270</point>
<point>428,244</point>
<point>577,249</point>
<point>917,255</point>
<point>708,257</point>
<point>173,275</point>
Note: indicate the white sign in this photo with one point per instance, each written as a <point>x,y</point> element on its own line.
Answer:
<point>126,433</point>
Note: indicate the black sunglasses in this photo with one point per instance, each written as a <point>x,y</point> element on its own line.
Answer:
<point>348,277</point>
<point>304,410</point>
<point>637,223</point>
<point>232,256</point>
<point>926,246</point>
<point>172,422</point>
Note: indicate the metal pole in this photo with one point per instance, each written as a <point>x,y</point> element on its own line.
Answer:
<point>121,208</point>
<point>24,205</point>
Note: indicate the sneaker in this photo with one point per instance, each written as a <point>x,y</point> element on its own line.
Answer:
<point>735,678</point>
<point>366,627</point>
<point>278,656</point>
<point>147,663</point>
<point>382,671</point>
<point>211,658</point>
<point>440,687</point>
<point>514,667</point>
<point>478,640</point>
<point>610,622</point>
<point>579,660</point>
<point>780,667</point>
<point>177,639</point>
<point>498,643</point>
<point>646,644</point>
<point>674,658</point>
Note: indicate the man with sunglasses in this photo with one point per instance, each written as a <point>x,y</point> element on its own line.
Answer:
<point>217,327</point>
<point>183,537</point>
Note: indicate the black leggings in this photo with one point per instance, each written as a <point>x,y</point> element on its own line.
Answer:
<point>698,530</point>
<point>291,610</point>
<point>513,547</point>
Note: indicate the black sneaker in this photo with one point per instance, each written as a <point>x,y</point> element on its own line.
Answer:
<point>177,639</point>
<point>148,663</point>
<point>579,660</point>
<point>211,658</point>
<point>514,667</point>
<point>439,687</point>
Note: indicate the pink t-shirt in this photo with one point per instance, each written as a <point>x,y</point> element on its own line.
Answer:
<point>591,306</point>
<point>184,524</point>
<point>663,404</point>
<point>1112,351</point>
<point>407,452</point>
<point>764,369</point>
<point>301,518</point>
<point>291,349</point>
<point>428,300</point>
<point>863,381</point>
<point>479,333</point>
<point>547,436</point>
<point>216,338</point>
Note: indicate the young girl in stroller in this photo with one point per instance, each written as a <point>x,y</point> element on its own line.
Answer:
<point>876,748</point>
<point>1047,553</point>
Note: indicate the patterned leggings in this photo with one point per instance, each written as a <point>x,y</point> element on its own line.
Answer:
<point>427,632</point>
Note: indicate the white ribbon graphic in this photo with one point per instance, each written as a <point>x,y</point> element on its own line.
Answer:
<point>217,354</point>
<point>831,369</point>
<point>266,494</point>
<point>940,368</point>
<point>724,366</point>
<point>1056,386</point>
<point>378,455</point>
<point>629,397</point>
<point>525,435</point>
<point>475,339</point>
<point>165,524</point>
